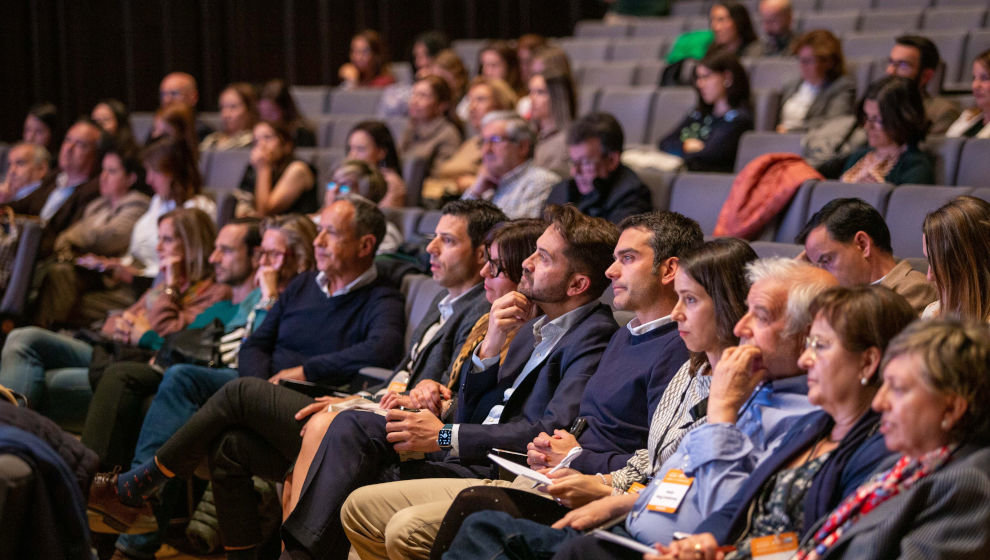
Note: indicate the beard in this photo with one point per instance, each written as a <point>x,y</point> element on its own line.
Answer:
<point>541,294</point>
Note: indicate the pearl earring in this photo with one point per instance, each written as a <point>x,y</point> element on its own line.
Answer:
<point>945,424</point>
<point>863,381</point>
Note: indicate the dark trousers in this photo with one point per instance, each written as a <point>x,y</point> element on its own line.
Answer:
<point>247,428</point>
<point>113,421</point>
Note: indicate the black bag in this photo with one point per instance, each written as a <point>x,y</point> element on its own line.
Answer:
<point>198,347</point>
<point>108,352</point>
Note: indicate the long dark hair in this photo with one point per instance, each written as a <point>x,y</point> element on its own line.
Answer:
<point>382,138</point>
<point>738,91</point>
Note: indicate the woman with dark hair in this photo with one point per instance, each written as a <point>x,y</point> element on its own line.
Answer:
<point>711,288</point>
<point>364,179</point>
<point>553,105</point>
<point>708,137</point>
<point>433,133</point>
<point>956,241</point>
<point>368,66</point>
<point>275,104</point>
<point>238,115</point>
<point>426,47</point>
<point>178,122</point>
<point>893,114</point>
<point>114,118</point>
<point>40,126</point>
<point>498,59</point>
<point>275,181</point>
<point>828,455</point>
<point>823,91</point>
<point>733,29</point>
<point>975,122</point>
<point>372,142</point>
<point>526,48</point>
<point>103,230</point>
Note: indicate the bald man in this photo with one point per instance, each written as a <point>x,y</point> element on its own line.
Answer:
<point>775,18</point>
<point>180,87</point>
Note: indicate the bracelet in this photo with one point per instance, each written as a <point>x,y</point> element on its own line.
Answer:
<point>603,479</point>
<point>170,292</point>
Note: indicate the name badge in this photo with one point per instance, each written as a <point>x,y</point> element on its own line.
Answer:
<point>670,492</point>
<point>774,547</point>
<point>396,387</point>
<point>635,488</point>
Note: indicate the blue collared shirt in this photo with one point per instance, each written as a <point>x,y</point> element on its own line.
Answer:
<point>720,457</point>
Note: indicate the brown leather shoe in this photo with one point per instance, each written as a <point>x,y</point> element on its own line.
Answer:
<point>108,515</point>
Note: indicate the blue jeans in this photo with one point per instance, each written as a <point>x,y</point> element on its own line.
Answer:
<point>492,535</point>
<point>29,355</point>
<point>183,391</point>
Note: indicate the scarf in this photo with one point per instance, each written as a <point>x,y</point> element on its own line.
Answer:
<point>881,488</point>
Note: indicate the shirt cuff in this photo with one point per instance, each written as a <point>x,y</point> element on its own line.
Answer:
<point>454,450</point>
<point>481,364</point>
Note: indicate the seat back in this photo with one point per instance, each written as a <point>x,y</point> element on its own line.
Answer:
<point>610,73</point>
<point>766,105</point>
<point>648,72</point>
<point>631,106</point>
<point>311,100</point>
<point>596,28</point>
<point>951,46</point>
<point>671,26</point>
<point>906,211</point>
<point>226,168</point>
<point>13,301</point>
<point>876,195</point>
<point>874,44</point>
<point>958,19</point>
<point>673,104</point>
<point>896,18</point>
<point>358,101</point>
<point>585,50</point>
<point>700,196</point>
<point>754,144</point>
<point>974,163</point>
<point>642,49</point>
<point>837,22</point>
<point>141,124</point>
<point>773,72</point>
<point>468,50</point>
<point>946,152</point>
<point>419,290</point>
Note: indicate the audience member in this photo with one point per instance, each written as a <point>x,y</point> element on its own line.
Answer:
<point>618,399</point>
<point>359,177</point>
<point>526,47</point>
<point>831,454</point>
<point>956,241</point>
<point>172,174</point>
<point>114,118</point>
<point>368,66</point>
<point>497,59</point>
<point>27,165</point>
<point>893,115</point>
<point>103,229</point>
<point>275,104</point>
<point>179,88</point>
<point>508,176</point>
<point>175,121</point>
<point>824,90</point>
<point>450,67</point>
<point>757,393</point>
<point>972,123</point>
<point>708,137</point>
<point>372,142</point>
<point>711,287</point>
<point>238,115</point>
<point>547,59</point>
<point>426,46</point>
<point>850,239</point>
<point>776,19</point>
<point>41,126</point>
<point>63,195</point>
<point>932,413</point>
<point>276,181</point>
<point>433,133</point>
<point>600,185</point>
<point>553,105</point>
<point>917,58</point>
<point>186,287</point>
<point>733,29</point>
<point>455,175</point>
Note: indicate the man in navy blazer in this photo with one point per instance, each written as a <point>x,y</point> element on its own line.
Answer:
<point>537,388</point>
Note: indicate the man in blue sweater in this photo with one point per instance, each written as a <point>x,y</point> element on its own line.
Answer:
<point>536,388</point>
<point>617,405</point>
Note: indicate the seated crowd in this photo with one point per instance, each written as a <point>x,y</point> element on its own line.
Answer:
<point>677,397</point>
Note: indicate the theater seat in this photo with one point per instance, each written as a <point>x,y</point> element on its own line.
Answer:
<point>906,211</point>
<point>226,169</point>
<point>974,163</point>
<point>631,106</point>
<point>13,301</point>
<point>876,195</point>
<point>357,101</point>
<point>700,196</point>
<point>754,144</point>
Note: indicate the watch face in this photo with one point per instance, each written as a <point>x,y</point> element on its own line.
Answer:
<point>444,438</point>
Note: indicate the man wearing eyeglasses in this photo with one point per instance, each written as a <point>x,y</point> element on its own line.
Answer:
<point>917,58</point>
<point>180,87</point>
<point>508,176</point>
<point>600,185</point>
<point>63,195</point>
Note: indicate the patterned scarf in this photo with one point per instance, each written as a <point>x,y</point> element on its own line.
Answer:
<point>867,497</point>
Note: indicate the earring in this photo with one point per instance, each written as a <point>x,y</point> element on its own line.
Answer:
<point>945,424</point>
<point>727,83</point>
<point>864,381</point>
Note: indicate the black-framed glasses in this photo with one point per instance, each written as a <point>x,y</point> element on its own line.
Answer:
<point>495,267</point>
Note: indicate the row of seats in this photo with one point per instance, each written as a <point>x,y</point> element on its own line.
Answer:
<point>696,7</point>
<point>957,18</point>
<point>957,48</point>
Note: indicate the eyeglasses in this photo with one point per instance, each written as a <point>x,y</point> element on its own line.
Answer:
<point>495,139</point>
<point>270,254</point>
<point>341,188</point>
<point>873,121</point>
<point>495,267</point>
<point>814,344</point>
<point>902,64</point>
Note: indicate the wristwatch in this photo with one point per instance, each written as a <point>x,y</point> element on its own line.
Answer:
<point>446,436</point>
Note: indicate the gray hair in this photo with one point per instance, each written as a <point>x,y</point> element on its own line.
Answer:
<point>516,128</point>
<point>368,219</point>
<point>803,281</point>
<point>39,154</point>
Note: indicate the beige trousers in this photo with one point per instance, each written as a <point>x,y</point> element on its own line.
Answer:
<point>400,520</point>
